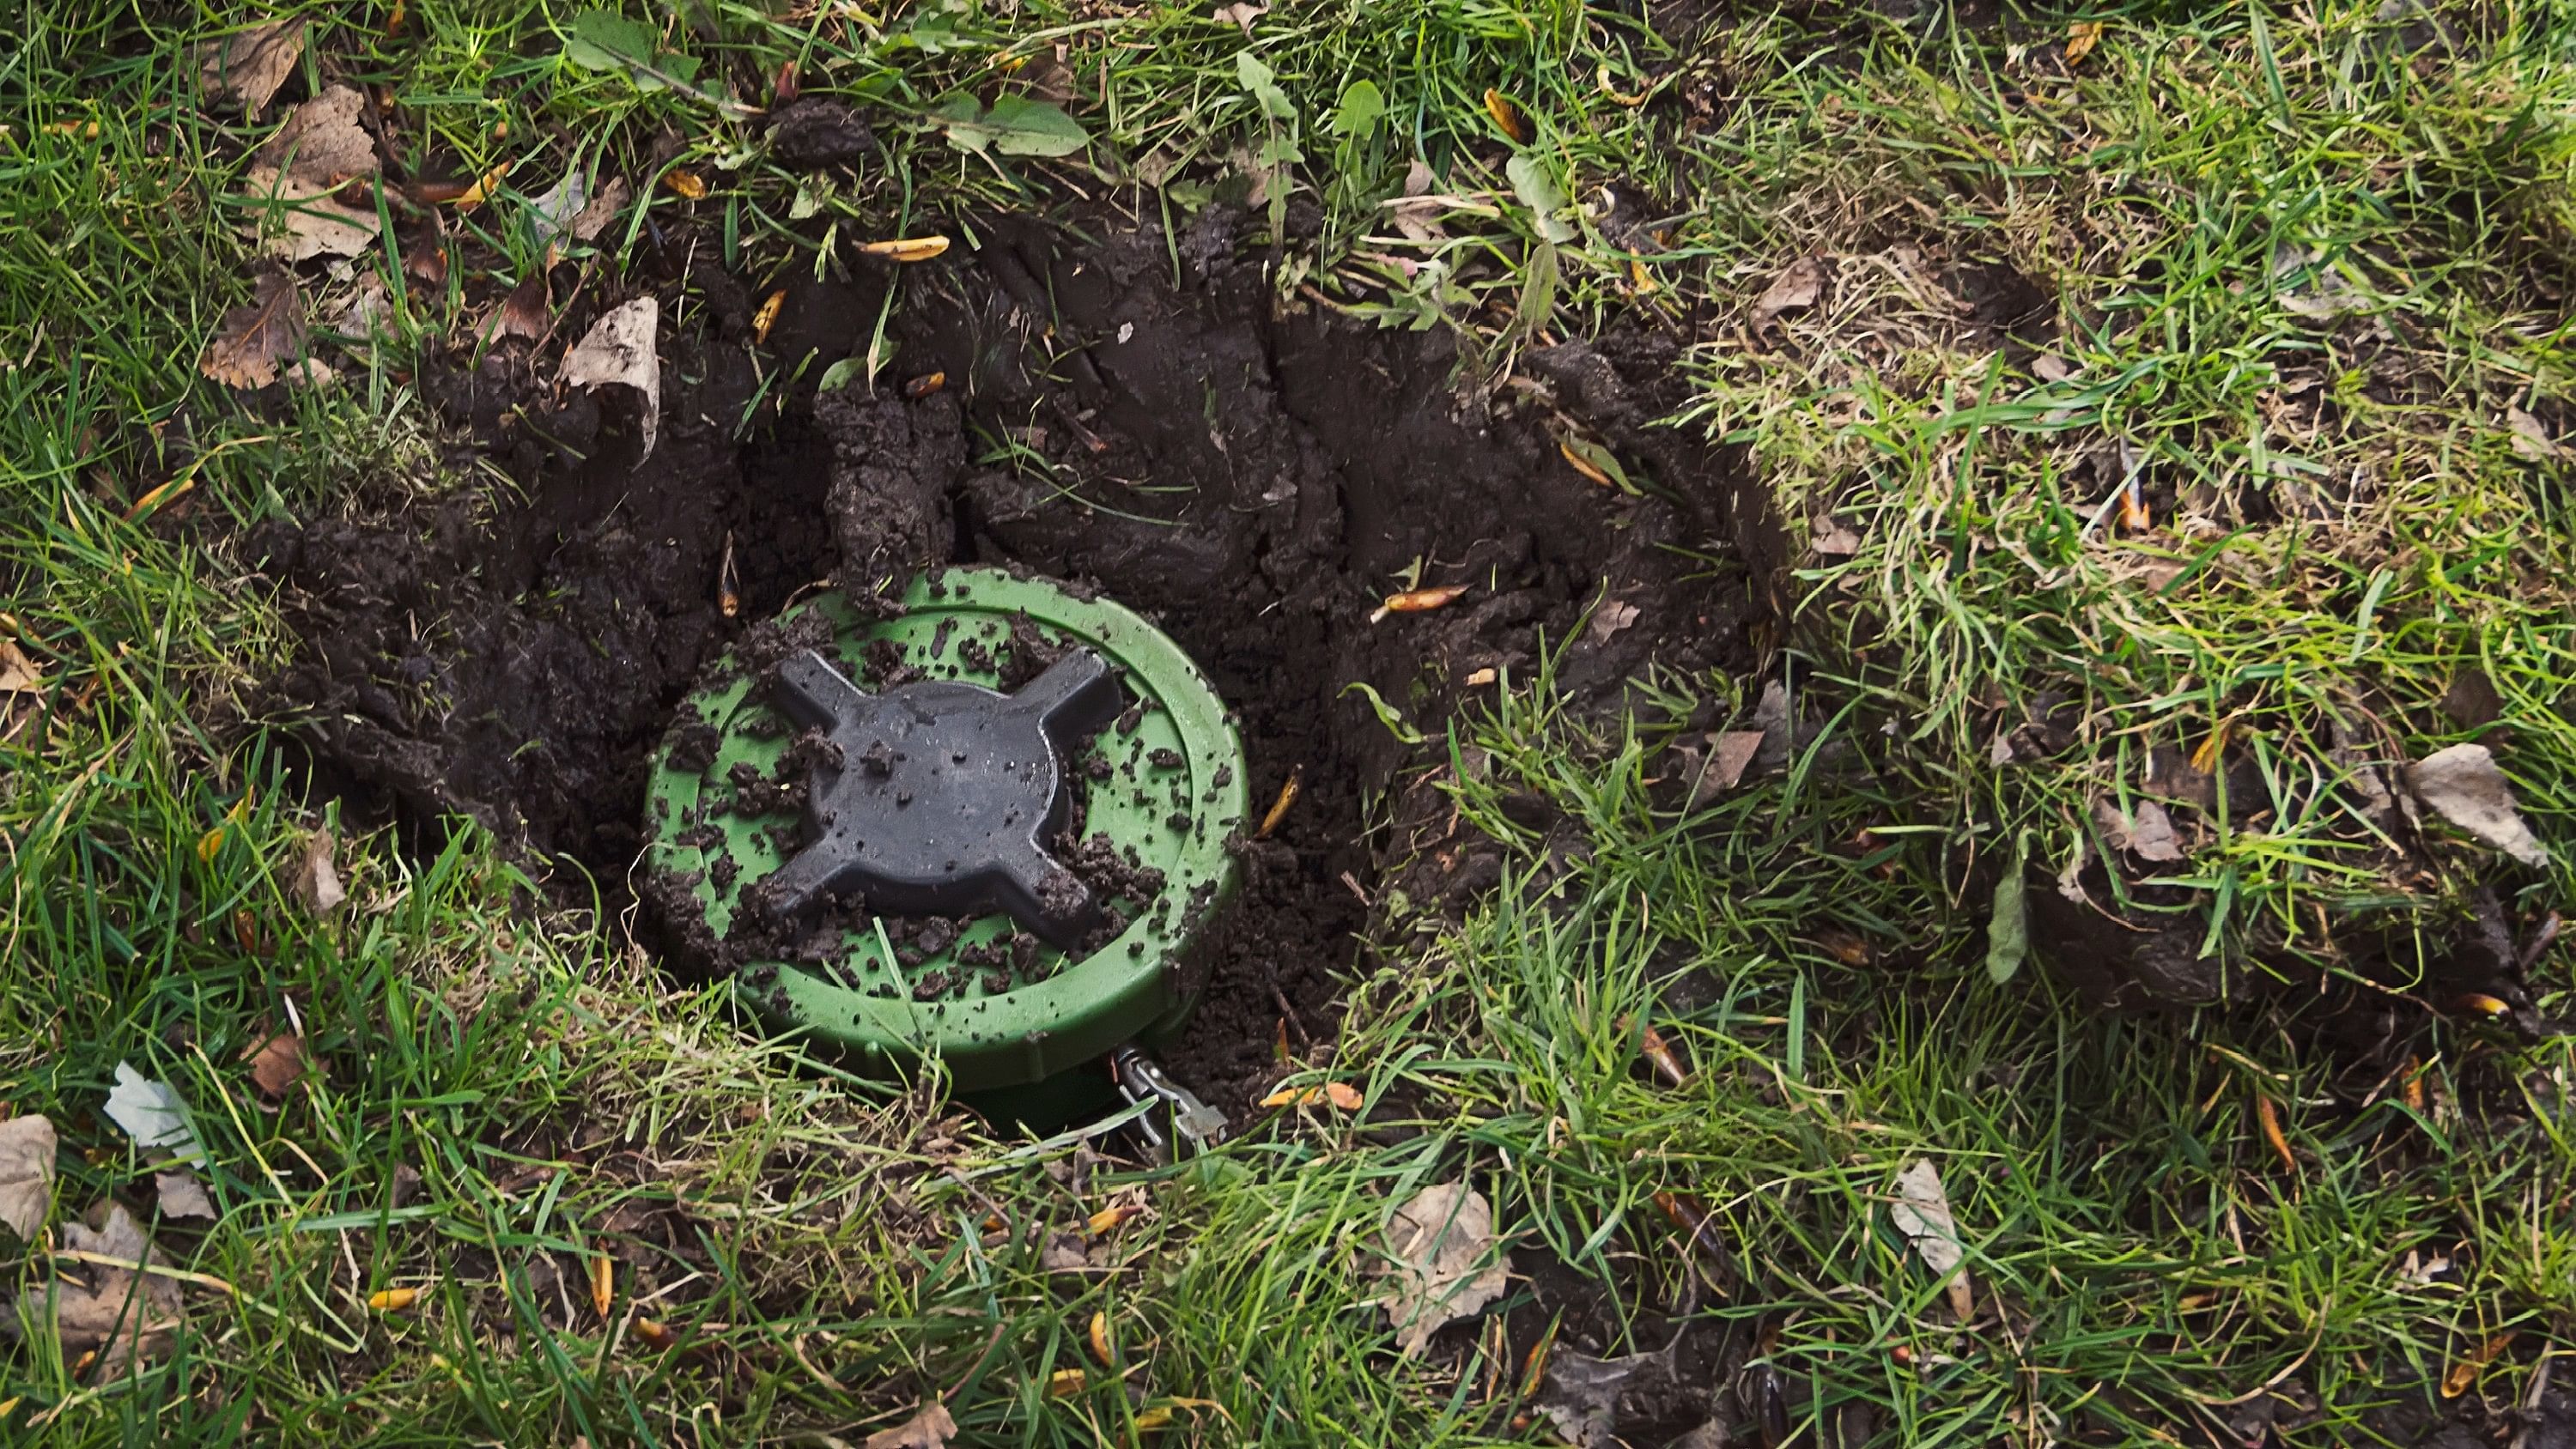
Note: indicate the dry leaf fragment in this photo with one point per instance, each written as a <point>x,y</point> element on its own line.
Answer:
<point>27,1146</point>
<point>182,1196</point>
<point>1795,289</point>
<point>1064,1383</point>
<point>246,68</point>
<point>523,313</point>
<point>18,673</point>
<point>393,1300</point>
<point>619,349</point>
<point>2466,1371</point>
<point>1436,1243</point>
<point>929,1429</point>
<point>307,221</point>
<point>1278,810</point>
<point>2269,1117</point>
<point>655,1334</point>
<point>277,1063</point>
<point>1613,616</point>
<point>685,183</point>
<point>1506,116</point>
<point>599,211</point>
<point>767,316</point>
<point>2463,785</point>
<point>316,885</point>
<point>1423,601</point>
<point>2149,835</point>
<point>254,341</point>
<point>2081,37</point>
<point>484,188</point>
<point>1730,752</point>
<point>2531,440</point>
<point>1660,1055</point>
<point>603,1284</point>
<point>1242,14</point>
<point>1922,1213</point>
<point>113,1314</point>
<point>323,142</point>
<point>1833,539</point>
<point>1099,1336</point>
<point>905,249</point>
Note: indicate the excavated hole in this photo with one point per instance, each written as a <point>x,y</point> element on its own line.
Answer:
<point>1256,479</point>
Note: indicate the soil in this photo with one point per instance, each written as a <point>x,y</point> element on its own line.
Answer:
<point>1255,477</point>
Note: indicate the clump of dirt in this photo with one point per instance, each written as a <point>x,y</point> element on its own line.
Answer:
<point>1255,477</point>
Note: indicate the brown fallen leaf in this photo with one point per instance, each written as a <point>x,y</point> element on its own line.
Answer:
<point>277,1063</point>
<point>27,1147</point>
<point>685,183</point>
<point>1064,1383</point>
<point>323,142</point>
<point>2463,785</point>
<point>655,1334</point>
<point>522,313</point>
<point>1922,1213</point>
<point>603,1284</point>
<point>117,1313</point>
<point>1435,1244</point>
<point>1613,616</point>
<point>1660,1055</point>
<point>2466,1371</point>
<point>905,249</point>
<point>1340,1094</point>
<point>1507,117</point>
<point>2081,37</point>
<point>924,385</point>
<point>182,1196</point>
<point>1730,753</point>
<point>767,316</point>
<point>2529,437</point>
<point>599,211</point>
<point>246,68</point>
<point>619,350</point>
<point>254,341</point>
<point>302,220</point>
<point>1801,286</point>
<point>18,673</point>
<point>316,882</point>
<point>1242,13</point>
<point>1107,1220</point>
<point>2269,1117</point>
<point>930,1429</point>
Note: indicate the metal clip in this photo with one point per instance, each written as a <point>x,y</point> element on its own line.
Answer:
<point>1193,1121</point>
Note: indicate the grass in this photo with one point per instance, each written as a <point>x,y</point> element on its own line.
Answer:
<point>2291,269</point>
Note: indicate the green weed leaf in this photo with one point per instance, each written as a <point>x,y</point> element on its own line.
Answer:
<point>1263,87</point>
<point>1539,192</point>
<point>1015,126</point>
<point>1387,714</point>
<point>1362,107</point>
<point>606,40</point>
<point>2008,933</point>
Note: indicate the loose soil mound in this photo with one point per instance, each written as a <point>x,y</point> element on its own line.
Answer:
<point>1137,414</point>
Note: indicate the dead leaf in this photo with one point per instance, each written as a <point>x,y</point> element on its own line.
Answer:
<point>1613,616</point>
<point>1922,1214</point>
<point>685,183</point>
<point>27,1146</point>
<point>322,142</point>
<point>1101,1348</point>
<point>182,1196</point>
<point>111,1312</point>
<point>1833,540</point>
<point>277,1063</point>
<point>551,215</point>
<point>302,220</point>
<point>600,210</point>
<point>1729,752</point>
<point>2466,1371</point>
<point>619,349</point>
<point>1242,15</point>
<point>603,1284</point>
<point>1423,601</point>
<point>1064,1253</point>
<point>316,885</point>
<point>18,673</point>
<point>767,317</point>
<point>523,313</point>
<point>246,68</point>
<point>255,340</point>
<point>1416,212</point>
<point>1064,1383</point>
<point>2463,785</point>
<point>905,249</point>
<point>483,189</point>
<point>393,1300</point>
<point>2081,37</point>
<point>2049,367</point>
<point>1583,1405</point>
<point>1436,1242</point>
<point>1506,116</point>
<point>2531,441</point>
<point>2149,836</point>
<point>152,1114</point>
<point>929,1429</point>
<point>1796,289</point>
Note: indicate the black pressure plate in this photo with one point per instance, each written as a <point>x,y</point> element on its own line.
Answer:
<point>944,794</point>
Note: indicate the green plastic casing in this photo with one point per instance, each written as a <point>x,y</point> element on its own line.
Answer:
<point>1179,816</point>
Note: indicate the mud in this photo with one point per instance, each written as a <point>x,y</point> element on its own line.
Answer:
<point>1137,414</point>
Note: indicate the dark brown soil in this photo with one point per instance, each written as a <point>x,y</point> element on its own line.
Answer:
<point>1256,478</point>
